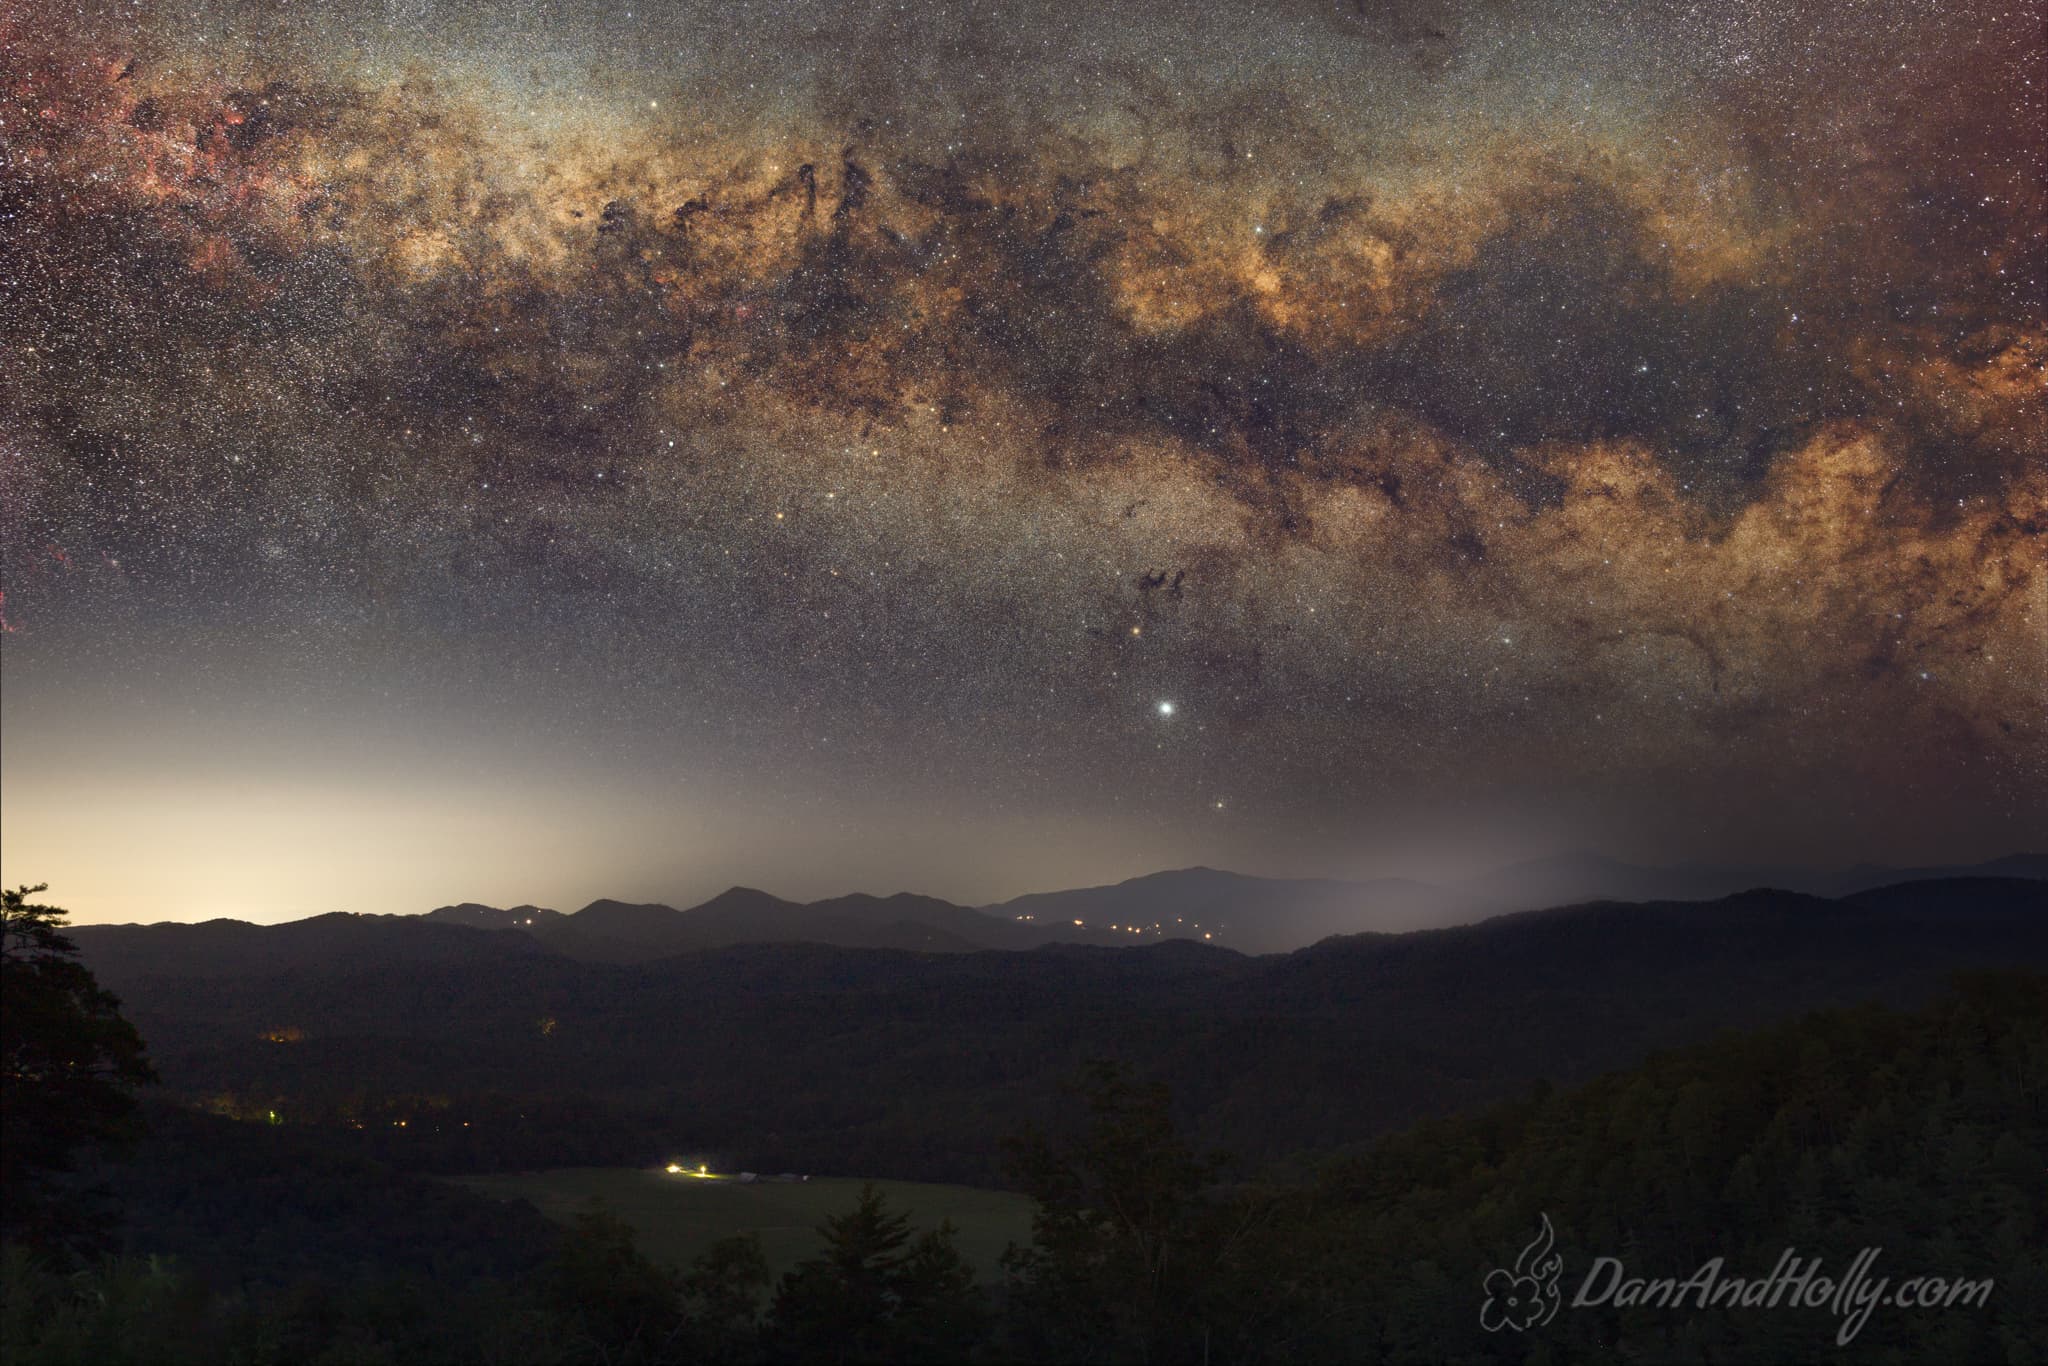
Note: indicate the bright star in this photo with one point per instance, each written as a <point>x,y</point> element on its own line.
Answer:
<point>1166,708</point>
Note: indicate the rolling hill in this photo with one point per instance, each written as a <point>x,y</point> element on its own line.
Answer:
<point>884,1062</point>
<point>609,931</point>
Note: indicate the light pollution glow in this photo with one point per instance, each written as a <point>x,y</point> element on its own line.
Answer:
<point>976,450</point>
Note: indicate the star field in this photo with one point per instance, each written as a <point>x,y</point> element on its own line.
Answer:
<point>1233,429</point>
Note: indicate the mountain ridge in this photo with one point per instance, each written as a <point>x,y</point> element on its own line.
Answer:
<point>897,1061</point>
<point>1237,911</point>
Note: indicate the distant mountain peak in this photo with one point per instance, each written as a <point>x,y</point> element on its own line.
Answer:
<point>477,914</point>
<point>1201,871</point>
<point>605,907</point>
<point>738,897</point>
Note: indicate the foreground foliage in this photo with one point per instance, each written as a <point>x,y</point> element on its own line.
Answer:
<point>1923,1134</point>
<point>68,1064</point>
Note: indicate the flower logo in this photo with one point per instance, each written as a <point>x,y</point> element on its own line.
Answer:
<point>1527,1296</point>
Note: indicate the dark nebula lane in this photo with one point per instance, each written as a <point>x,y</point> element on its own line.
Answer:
<point>986,447</point>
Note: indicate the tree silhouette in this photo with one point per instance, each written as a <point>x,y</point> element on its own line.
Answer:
<point>615,1304</point>
<point>723,1291</point>
<point>878,1294</point>
<point>68,1063</point>
<point>1135,1254</point>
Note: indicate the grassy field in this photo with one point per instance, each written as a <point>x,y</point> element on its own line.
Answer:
<point>679,1216</point>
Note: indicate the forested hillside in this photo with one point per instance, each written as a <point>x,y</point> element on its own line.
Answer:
<point>878,1063</point>
<point>1922,1134</point>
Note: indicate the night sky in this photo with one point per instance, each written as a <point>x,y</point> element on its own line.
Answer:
<point>538,451</point>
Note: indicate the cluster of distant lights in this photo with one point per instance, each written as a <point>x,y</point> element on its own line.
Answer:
<point>1157,927</point>
<point>396,1123</point>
